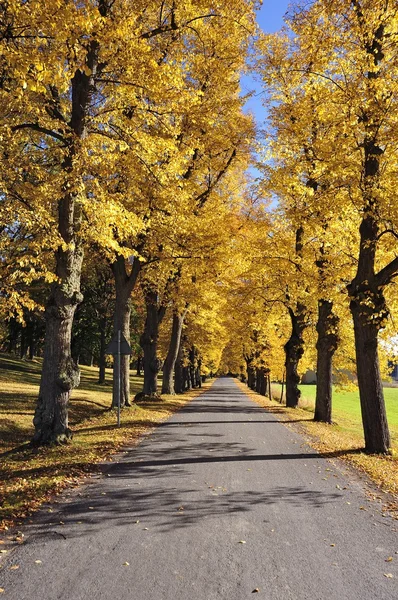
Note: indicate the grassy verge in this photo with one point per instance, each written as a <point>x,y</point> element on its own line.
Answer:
<point>343,439</point>
<point>29,477</point>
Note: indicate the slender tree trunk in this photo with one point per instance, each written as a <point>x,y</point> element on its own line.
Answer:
<point>179,369</point>
<point>294,350</point>
<point>170,361</point>
<point>139,365</point>
<point>24,343</point>
<point>149,342</point>
<point>187,378</point>
<point>102,356</point>
<point>192,366</point>
<point>251,374</point>
<point>198,377</point>
<point>258,380</point>
<point>263,382</point>
<point>12,336</point>
<point>326,347</point>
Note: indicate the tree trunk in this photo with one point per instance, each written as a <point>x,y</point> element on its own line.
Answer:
<point>326,347</point>
<point>294,350</point>
<point>102,356</point>
<point>139,365</point>
<point>263,382</point>
<point>124,285</point>
<point>179,369</point>
<point>198,377</point>
<point>24,343</point>
<point>60,374</point>
<point>122,323</point>
<point>366,329</point>
<point>170,361</point>
<point>251,373</point>
<point>192,366</point>
<point>187,378</point>
<point>149,342</point>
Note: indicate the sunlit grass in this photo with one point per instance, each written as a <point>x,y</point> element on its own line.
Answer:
<point>30,476</point>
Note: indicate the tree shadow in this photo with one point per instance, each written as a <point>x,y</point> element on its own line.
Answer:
<point>167,509</point>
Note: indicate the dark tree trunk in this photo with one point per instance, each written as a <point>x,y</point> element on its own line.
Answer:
<point>124,285</point>
<point>170,361</point>
<point>326,347</point>
<point>282,388</point>
<point>251,373</point>
<point>139,365</point>
<point>102,356</point>
<point>258,382</point>
<point>369,312</point>
<point>294,350</point>
<point>374,419</point>
<point>198,377</point>
<point>192,366</point>
<point>30,339</point>
<point>187,378</point>
<point>263,382</point>
<point>24,343</point>
<point>13,329</point>
<point>179,369</point>
<point>368,308</point>
<point>149,342</point>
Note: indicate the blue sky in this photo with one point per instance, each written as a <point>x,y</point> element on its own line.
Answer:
<point>270,19</point>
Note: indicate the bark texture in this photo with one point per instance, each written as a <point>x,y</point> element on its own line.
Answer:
<point>170,361</point>
<point>124,284</point>
<point>326,346</point>
<point>179,368</point>
<point>149,342</point>
<point>294,350</point>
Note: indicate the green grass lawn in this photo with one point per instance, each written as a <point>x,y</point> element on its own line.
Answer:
<point>346,407</point>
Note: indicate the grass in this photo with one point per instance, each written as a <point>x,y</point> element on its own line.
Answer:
<point>345,437</point>
<point>30,476</point>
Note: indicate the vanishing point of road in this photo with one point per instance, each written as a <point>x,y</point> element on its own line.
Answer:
<point>220,502</point>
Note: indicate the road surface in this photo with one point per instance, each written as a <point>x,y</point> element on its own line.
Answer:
<point>220,502</point>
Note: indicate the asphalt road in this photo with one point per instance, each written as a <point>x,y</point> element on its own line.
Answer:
<point>220,502</point>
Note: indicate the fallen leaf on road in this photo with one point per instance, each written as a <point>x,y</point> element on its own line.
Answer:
<point>389,559</point>
<point>14,567</point>
<point>388,575</point>
<point>3,551</point>
<point>38,562</point>
<point>242,542</point>
<point>126,564</point>
<point>332,544</point>
<point>2,590</point>
<point>255,590</point>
